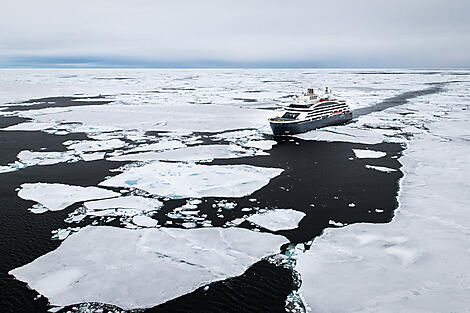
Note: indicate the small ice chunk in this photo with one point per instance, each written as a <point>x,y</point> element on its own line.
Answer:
<point>95,145</point>
<point>331,222</point>
<point>57,197</point>
<point>368,154</point>
<point>144,221</point>
<point>7,169</point>
<point>92,156</point>
<point>381,168</point>
<point>260,144</point>
<point>279,219</point>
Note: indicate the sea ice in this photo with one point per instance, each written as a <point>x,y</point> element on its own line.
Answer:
<point>419,261</point>
<point>186,180</point>
<point>144,221</point>
<point>195,153</point>
<point>117,266</point>
<point>92,156</point>
<point>57,197</point>
<point>278,219</point>
<point>95,145</point>
<point>29,158</point>
<point>381,168</point>
<point>30,126</point>
<point>368,154</point>
<point>126,202</point>
<point>158,146</point>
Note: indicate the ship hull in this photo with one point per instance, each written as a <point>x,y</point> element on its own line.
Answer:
<point>291,128</point>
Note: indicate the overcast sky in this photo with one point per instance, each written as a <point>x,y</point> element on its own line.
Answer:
<point>246,33</point>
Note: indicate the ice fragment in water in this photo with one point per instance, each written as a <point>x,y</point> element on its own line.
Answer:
<point>57,197</point>
<point>174,261</point>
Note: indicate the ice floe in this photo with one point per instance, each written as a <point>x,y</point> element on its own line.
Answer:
<point>194,153</point>
<point>368,154</point>
<point>117,266</point>
<point>188,180</point>
<point>30,126</point>
<point>57,197</point>
<point>158,146</point>
<point>144,221</point>
<point>278,219</point>
<point>127,202</point>
<point>381,168</point>
<point>94,145</point>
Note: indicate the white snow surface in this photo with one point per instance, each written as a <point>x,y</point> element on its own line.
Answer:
<point>57,197</point>
<point>144,221</point>
<point>278,219</point>
<point>189,180</point>
<point>29,126</point>
<point>368,154</point>
<point>30,158</point>
<point>419,261</point>
<point>118,266</point>
<point>95,145</point>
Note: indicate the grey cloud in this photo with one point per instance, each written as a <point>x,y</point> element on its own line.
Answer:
<point>337,32</point>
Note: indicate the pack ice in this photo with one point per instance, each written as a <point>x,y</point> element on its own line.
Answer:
<point>189,180</point>
<point>419,261</point>
<point>55,197</point>
<point>143,268</point>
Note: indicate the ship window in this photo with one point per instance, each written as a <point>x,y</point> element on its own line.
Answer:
<point>290,115</point>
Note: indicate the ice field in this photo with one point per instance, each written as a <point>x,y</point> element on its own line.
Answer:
<point>184,163</point>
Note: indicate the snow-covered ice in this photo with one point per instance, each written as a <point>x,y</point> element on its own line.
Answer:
<point>380,168</point>
<point>95,145</point>
<point>57,197</point>
<point>117,266</point>
<point>188,180</point>
<point>419,261</point>
<point>368,154</point>
<point>29,126</point>
<point>144,221</point>
<point>278,219</point>
<point>194,153</point>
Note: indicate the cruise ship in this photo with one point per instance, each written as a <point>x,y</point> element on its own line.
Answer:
<point>311,111</point>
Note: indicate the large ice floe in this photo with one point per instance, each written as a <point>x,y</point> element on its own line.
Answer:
<point>195,153</point>
<point>120,266</point>
<point>419,261</point>
<point>94,145</point>
<point>279,219</point>
<point>189,180</point>
<point>55,197</point>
